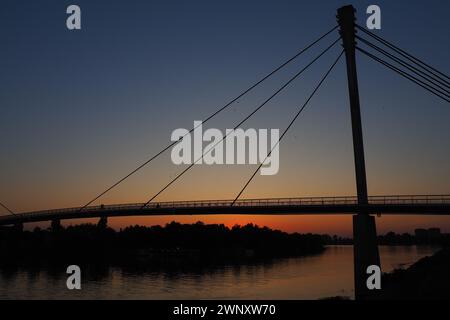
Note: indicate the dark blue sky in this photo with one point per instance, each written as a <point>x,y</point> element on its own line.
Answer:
<point>81,108</point>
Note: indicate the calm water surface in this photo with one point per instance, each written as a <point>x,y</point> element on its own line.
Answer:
<point>325,275</point>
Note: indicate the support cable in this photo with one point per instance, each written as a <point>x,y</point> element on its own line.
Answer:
<point>404,74</point>
<point>406,55</point>
<point>289,126</point>
<point>242,122</point>
<point>407,65</point>
<point>9,210</point>
<point>211,116</point>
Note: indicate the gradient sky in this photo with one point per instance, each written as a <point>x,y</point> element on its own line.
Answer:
<point>80,109</point>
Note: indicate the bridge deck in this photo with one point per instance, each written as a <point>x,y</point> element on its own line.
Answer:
<point>401,204</point>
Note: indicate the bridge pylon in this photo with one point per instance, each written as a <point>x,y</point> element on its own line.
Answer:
<point>55,225</point>
<point>103,222</point>
<point>365,249</point>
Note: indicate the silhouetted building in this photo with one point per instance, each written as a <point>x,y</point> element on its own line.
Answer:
<point>434,233</point>
<point>421,233</point>
<point>427,235</point>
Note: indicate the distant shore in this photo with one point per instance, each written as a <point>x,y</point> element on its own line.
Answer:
<point>172,245</point>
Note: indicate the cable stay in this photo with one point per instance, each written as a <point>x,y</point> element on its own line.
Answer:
<point>289,126</point>
<point>407,55</point>
<point>243,121</point>
<point>232,101</point>
<point>436,82</point>
<point>7,209</point>
<point>404,74</point>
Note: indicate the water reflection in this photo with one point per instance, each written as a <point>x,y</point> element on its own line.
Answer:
<point>324,275</point>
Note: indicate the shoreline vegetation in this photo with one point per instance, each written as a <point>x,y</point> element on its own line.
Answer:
<point>427,279</point>
<point>174,244</point>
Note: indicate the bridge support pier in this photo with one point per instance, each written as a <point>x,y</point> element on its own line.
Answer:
<point>56,225</point>
<point>103,223</point>
<point>365,252</point>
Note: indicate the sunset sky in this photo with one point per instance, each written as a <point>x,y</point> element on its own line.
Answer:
<point>80,109</point>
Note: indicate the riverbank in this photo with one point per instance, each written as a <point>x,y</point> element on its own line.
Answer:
<point>427,279</point>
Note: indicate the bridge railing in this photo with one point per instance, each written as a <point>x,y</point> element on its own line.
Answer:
<point>303,201</point>
<point>410,199</point>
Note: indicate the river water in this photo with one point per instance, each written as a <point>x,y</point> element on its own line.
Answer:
<point>325,275</point>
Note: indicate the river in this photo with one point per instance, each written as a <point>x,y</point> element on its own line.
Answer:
<point>325,275</point>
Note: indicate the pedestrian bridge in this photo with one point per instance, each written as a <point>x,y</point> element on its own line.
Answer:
<point>389,204</point>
